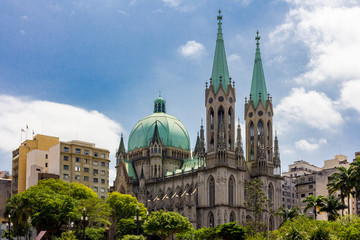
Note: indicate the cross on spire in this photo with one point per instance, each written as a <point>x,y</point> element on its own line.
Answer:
<point>159,93</point>
<point>257,38</point>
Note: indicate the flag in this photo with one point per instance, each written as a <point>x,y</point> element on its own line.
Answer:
<point>27,127</point>
<point>22,130</point>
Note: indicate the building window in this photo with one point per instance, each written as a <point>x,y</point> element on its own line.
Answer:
<point>303,195</point>
<point>46,164</point>
<point>95,171</point>
<point>96,154</point>
<point>66,176</point>
<point>232,217</point>
<point>103,172</point>
<point>211,191</point>
<point>103,155</point>
<point>66,167</point>
<point>78,150</point>
<point>103,164</point>
<point>46,156</point>
<point>66,158</point>
<point>103,181</point>
<point>95,189</point>
<point>311,194</point>
<point>311,186</point>
<point>77,177</point>
<point>310,179</point>
<point>66,149</point>
<point>86,178</point>
<point>86,152</point>
<point>96,180</point>
<point>86,169</point>
<point>231,191</point>
<point>77,159</point>
<point>96,163</point>
<point>77,168</point>
<point>103,197</point>
<point>102,189</point>
<point>86,161</point>
<point>211,219</point>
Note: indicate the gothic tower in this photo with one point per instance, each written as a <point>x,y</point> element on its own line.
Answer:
<point>258,120</point>
<point>220,108</point>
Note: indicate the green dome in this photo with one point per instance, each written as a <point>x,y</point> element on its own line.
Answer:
<point>172,132</point>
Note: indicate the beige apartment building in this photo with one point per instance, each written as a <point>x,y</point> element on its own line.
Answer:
<point>31,157</point>
<point>81,162</point>
<point>316,183</point>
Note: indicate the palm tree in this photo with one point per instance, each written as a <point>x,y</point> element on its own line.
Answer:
<point>356,180</point>
<point>342,180</point>
<point>287,213</point>
<point>314,202</point>
<point>332,206</point>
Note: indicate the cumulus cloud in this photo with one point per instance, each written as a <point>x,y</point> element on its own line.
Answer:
<point>350,95</point>
<point>64,121</point>
<point>327,29</point>
<point>310,144</point>
<point>191,49</point>
<point>172,3</point>
<point>309,107</point>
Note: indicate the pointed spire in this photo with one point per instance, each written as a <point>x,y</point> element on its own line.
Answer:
<point>220,71</point>
<point>156,135</point>
<point>142,173</point>
<point>277,163</point>
<point>258,85</point>
<point>197,144</point>
<point>121,148</point>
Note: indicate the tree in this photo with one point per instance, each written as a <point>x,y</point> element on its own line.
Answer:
<point>287,214</point>
<point>356,179</point>
<point>332,206</point>
<point>166,224</point>
<point>256,201</point>
<point>342,180</point>
<point>206,234</point>
<point>123,210</point>
<point>315,203</point>
<point>230,231</point>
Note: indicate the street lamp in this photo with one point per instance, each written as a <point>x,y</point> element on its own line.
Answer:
<point>9,216</point>
<point>84,218</point>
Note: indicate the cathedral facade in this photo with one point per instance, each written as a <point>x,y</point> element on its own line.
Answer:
<point>207,185</point>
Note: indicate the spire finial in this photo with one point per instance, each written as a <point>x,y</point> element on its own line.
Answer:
<point>201,121</point>
<point>219,18</point>
<point>257,38</point>
<point>159,93</point>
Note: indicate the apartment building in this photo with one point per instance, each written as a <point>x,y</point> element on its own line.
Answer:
<point>288,192</point>
<point>81,162</point>
<point>28,159</point>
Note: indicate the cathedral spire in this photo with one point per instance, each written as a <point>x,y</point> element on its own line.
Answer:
<point>277,163</point>
<point>121,148</point>
<point>258,85</point>
<point>220,71</point>
<point>156,136</point>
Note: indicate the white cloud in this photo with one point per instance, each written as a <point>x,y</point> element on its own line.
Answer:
<point>327,29</point>
<point>172,3</point>
<point>310,144</point>
<point>122,12</point>
<point>24,17</point>
<point>350,95</point>
<point>61,120</point>
<point>22,32</point>
<point>312,108</point>
<point>191,49</point>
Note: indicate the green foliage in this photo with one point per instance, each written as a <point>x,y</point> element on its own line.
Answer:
<point>287,214</point>
<point>230,231</point>
<point>206,234</point>
<point>95,233</point>
<point>322,232</point>
<point>166,224</point>
<point>189,235</point>
<point>67,236</point>
<point>332,206</point>
<point>316,203</point>
<point>257,202</point>
<point>125,226</point>
<point>347,227</point>
<point>133,237</point>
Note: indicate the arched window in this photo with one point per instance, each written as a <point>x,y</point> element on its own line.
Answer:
<point>159,107</point>
<point>271,223</point>
<point>159,171</point>
<point>212,144</point>
<point>260,128</point>
<point>155,173</point>
<point>151,171</point>
<point>268,130</point>
<point>211,119</point>
<point>211,191</point>
<point>271,193</point>
<point>251,127</point>
<point>229,118</point>
<point>211,219</point>
<point>229,143</point>
<point>232,217</point>
<point>220,116</point>
<point>162,107</point>
<point>231,191</point>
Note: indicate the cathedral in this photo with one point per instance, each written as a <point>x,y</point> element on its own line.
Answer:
<point>207,185</point>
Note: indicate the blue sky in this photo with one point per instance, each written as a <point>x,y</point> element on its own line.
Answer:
<point>91,69</point>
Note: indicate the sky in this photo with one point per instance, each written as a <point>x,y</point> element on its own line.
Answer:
<point>91,69</point>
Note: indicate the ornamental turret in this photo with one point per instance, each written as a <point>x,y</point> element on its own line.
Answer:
<point>277,162</point>
<point>121,152</point>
